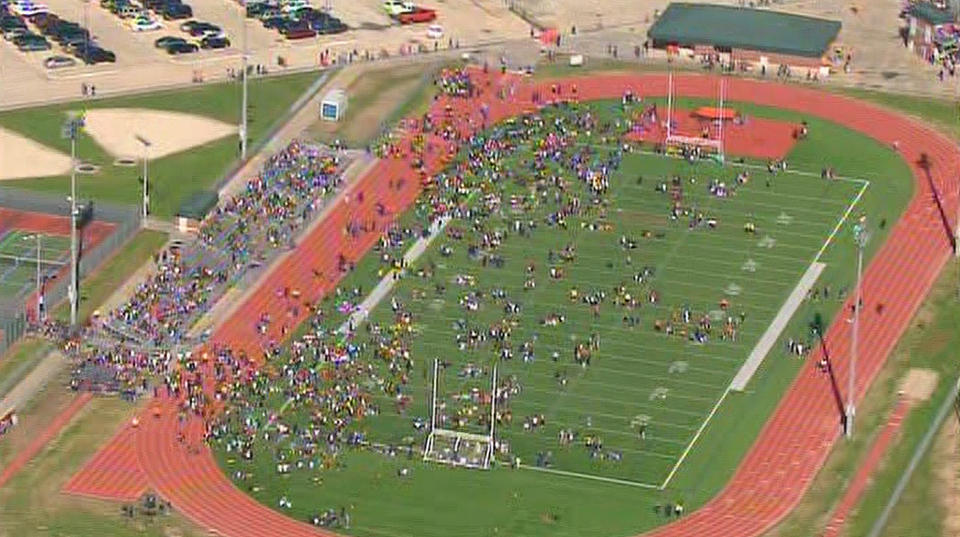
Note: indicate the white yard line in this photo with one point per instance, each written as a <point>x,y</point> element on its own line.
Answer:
<point>589,476</point>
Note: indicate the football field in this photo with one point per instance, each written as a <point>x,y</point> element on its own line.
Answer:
<point>668,305</point>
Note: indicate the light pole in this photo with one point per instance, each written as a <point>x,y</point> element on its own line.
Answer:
<point>243,75</point>
<point>39,238</point>
<point>146,181</point>
<point>860,236</point>
<point>70,130</point>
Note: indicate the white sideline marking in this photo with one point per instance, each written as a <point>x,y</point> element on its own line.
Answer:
<point>389,281</point>
<point>773,331</point>
<point>588,476</point>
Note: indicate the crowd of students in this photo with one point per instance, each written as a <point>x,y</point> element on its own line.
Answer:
<point>140,338</point>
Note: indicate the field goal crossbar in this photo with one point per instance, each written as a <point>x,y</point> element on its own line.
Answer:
<point>459,439</point>
<point>674,141</point>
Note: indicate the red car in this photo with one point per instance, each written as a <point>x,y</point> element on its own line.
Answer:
<point>300,32</point>
<point>418,14</point>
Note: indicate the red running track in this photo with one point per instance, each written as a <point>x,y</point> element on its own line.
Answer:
<point>49,433</point>
<point>760,137</point>
<point>797,438</point>
<point>860,481</point>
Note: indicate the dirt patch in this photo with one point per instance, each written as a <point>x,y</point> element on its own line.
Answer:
<point>116,130</point>
<point>21,157</point>
<point>946,464</point>
<point>918,384</point>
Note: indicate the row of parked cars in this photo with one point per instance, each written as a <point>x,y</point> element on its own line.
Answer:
<point>146,16</point>
<point>205,36</point>
<point>69,35</point>
<point>294,19</point>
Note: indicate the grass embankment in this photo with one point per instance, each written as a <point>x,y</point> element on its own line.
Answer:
<point>378,99</point>
<point>98,287</point>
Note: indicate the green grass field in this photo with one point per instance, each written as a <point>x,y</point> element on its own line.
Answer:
<point>173,178</point>
<point>635,371</point>
<point>18,256</point>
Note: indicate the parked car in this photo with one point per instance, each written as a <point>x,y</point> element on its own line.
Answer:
<point>145,24</point>
<point>329,26</point>
<point>29,10</point>
<point>396,7</point>
<point>26,8</point>
<point>15,32</point>
<point>205,29</point>
<point>176,11</point>
<point>277,22</point>
<point>298,32</point>
<point>31,42</point>
<point>256,9</point>
<point>214,42</point>
<point>435,31</point>
<point>419,14</point>
<point>182,48</point>
<point>128,11</point>
<point>59,62</point>
<point>168,40</point>
<point>73,38</point>
<point>94,55</point>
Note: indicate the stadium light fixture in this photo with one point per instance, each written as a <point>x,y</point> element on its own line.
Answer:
<point>146,192</point>
<point>860,236</point>
<point>39,238</point>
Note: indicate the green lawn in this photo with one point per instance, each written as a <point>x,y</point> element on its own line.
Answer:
<point>31,503</point>
<point>97,287</point>
<point>693,268</point>
<point>19,360</point>
<point>173,178</point>
<point>932,344</point>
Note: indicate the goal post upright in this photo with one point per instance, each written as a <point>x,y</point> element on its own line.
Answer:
<point>428,448</point>
<point>669,102</point>
<point>720,130</point>
<point>493,415</point>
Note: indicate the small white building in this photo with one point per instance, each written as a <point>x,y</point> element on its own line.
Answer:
<point>334,105</point>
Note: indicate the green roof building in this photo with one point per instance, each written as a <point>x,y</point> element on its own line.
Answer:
<point>728,28</point>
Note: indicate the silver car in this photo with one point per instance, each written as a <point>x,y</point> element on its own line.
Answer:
<point>59,62</point>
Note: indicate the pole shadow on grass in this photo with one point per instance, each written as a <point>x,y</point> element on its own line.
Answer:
<point>924,163</point>
<point>817,328</point>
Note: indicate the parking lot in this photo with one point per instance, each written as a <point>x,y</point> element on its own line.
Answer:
<point>139,64</point>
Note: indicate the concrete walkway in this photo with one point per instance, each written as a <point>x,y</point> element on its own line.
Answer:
<point>27,389</point>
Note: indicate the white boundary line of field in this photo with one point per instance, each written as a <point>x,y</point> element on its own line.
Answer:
<point>747,370</point>
<point>589,476</point>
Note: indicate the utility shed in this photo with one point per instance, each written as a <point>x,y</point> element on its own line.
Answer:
<point>793,39</point>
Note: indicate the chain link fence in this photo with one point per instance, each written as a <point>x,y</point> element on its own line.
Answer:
<point>15,312</point>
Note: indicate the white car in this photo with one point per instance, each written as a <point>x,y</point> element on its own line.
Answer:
<point>294,5</point>
<point>435,31</point>
<point>26,9</point>
<point>397,7</point>
<point>145,25</point>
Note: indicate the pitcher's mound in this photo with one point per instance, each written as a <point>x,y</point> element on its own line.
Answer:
<point>918,384</point>
<point>116,129</point>
<point>21,157</point>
